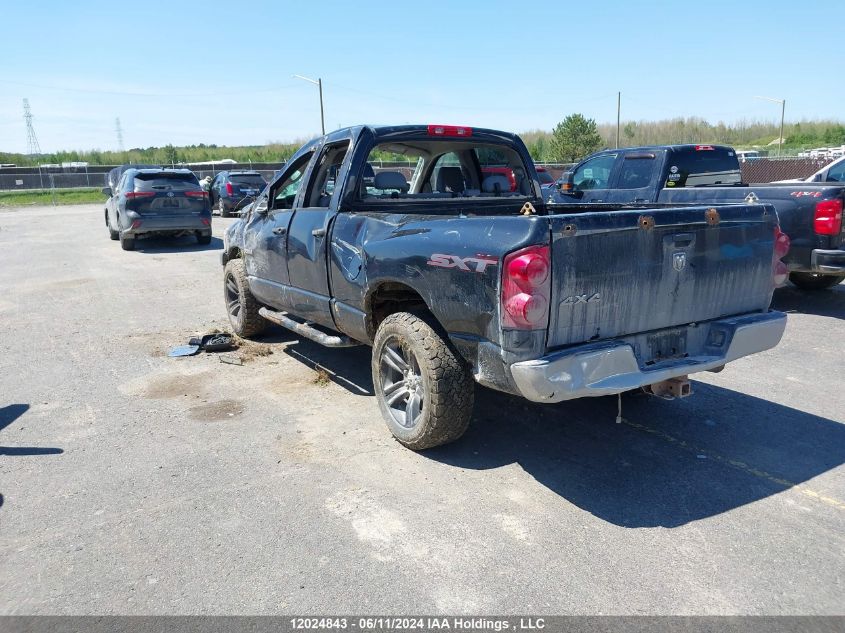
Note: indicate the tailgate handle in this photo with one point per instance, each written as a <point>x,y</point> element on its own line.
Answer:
<point>680,240</point>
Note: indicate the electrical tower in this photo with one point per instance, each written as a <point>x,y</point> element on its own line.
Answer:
<point>32,146</point>
<point>119,131</point>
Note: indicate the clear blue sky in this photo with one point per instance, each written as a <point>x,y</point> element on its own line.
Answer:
<point>220,72</point>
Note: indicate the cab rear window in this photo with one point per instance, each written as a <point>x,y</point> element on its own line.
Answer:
<point>703,166</point>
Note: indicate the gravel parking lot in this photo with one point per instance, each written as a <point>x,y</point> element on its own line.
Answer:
<point>136,483</point>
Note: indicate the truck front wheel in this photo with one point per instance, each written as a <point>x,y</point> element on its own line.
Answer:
<point>241,306</point>
<point>424,389</point>
<point>814,281</point>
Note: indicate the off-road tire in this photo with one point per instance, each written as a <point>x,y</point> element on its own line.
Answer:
<point>203,239</point>
<point>127,242</point>
<point>247,322</point>
<point>447,385</point>
<point>812,281</point>
<point>114,235</point>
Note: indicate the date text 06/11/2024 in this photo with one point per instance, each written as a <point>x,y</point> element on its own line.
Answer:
<point>419,623</point>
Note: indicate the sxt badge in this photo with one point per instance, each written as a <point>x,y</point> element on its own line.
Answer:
<point>477,264</point>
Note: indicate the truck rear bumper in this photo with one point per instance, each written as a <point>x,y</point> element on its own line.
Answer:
<point>611,368</point>
<point>827,261</point>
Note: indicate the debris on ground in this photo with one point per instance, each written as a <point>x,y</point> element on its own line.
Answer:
<point>183,350</point>
<point>230,359</point>
<point>250,350</point>
<point>321,377</point>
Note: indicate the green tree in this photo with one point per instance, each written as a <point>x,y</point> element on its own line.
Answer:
<point>574,137</point>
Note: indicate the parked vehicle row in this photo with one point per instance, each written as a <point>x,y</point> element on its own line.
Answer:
<point>810,214</point>
<point>464,273</point>
<point>156,201</point>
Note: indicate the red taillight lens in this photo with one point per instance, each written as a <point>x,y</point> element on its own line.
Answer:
<point>449,130</point>
<point>780,272</point>
<point>196,194</point>
<point>526,280</point>
<point>530,269</point>
<point>136,224</point>
<point>828,220</point>
<point>229,190</point>
<point>206,221</point>
<point>781,243</point>
<point>134,195</point>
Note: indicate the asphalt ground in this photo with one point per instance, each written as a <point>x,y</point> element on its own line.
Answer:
<point>134,483</point>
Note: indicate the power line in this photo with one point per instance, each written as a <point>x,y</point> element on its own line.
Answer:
<point>32,146</point>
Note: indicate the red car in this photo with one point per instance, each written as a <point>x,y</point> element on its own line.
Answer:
<point>544,176</point>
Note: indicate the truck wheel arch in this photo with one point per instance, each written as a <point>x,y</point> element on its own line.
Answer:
<point>389,297</point>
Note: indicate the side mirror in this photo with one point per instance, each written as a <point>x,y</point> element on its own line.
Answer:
<point>106,191</point>
<point>260,207</point>
<point>568,185</point>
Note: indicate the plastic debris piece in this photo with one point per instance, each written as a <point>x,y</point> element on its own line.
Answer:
<point>217,342</point>
<point>183,350</point>
<point>229,359</point>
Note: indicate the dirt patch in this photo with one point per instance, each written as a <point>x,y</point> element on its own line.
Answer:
<point>176,385</point>
<point>216,411</point>
<point>321,377</point>
<point>250,350</point>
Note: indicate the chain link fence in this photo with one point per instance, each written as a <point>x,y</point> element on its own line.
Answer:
<point>757,170</point>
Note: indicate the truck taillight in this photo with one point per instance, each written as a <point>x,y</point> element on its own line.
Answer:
<point>828,218</point>
<point>780,273</point>
<point>449,130</point>
<point>229,190</point>
<point>526,281</point>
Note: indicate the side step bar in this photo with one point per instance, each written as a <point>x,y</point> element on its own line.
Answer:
<point>308,331</point>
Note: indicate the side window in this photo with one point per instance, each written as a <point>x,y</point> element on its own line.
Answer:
<point>121,186</point>
<point>636,172</point>
<point>321,189</point>
<point>283,192</point>
<point>837,173</point>
<point>595,173</point>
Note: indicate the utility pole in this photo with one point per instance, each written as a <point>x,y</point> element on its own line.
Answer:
<point>119,131</point>
<point>618,116</point>
<point>319,83</point>
<point>782,103</point>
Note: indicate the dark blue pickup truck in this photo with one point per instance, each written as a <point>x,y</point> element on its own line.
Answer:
<point>453,276</point>
<point>810,214</point>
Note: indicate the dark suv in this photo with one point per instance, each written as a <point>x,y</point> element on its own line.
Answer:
<point>157,201</point>
<point>230,191</point>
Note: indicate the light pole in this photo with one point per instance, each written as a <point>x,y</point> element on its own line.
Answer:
<point>782,103</point>
<point>319,83</point>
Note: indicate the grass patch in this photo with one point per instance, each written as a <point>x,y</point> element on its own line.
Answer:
<point>48,197</point>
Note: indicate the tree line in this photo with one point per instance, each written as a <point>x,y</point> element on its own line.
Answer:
<point>571,139</point>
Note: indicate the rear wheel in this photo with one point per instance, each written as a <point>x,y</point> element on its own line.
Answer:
<point>127,242</point>
<point>112,233</point>
<point>424,389</point>
<point>224,212</point>
<point>815,281</point>
<point>241,306</point>
<point>203,239</point>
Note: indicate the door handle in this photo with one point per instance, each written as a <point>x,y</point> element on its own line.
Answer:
<point>318,232</point>
<point>280,230</point>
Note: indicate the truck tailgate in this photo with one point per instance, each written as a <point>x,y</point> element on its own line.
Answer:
<point>638,270</point>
